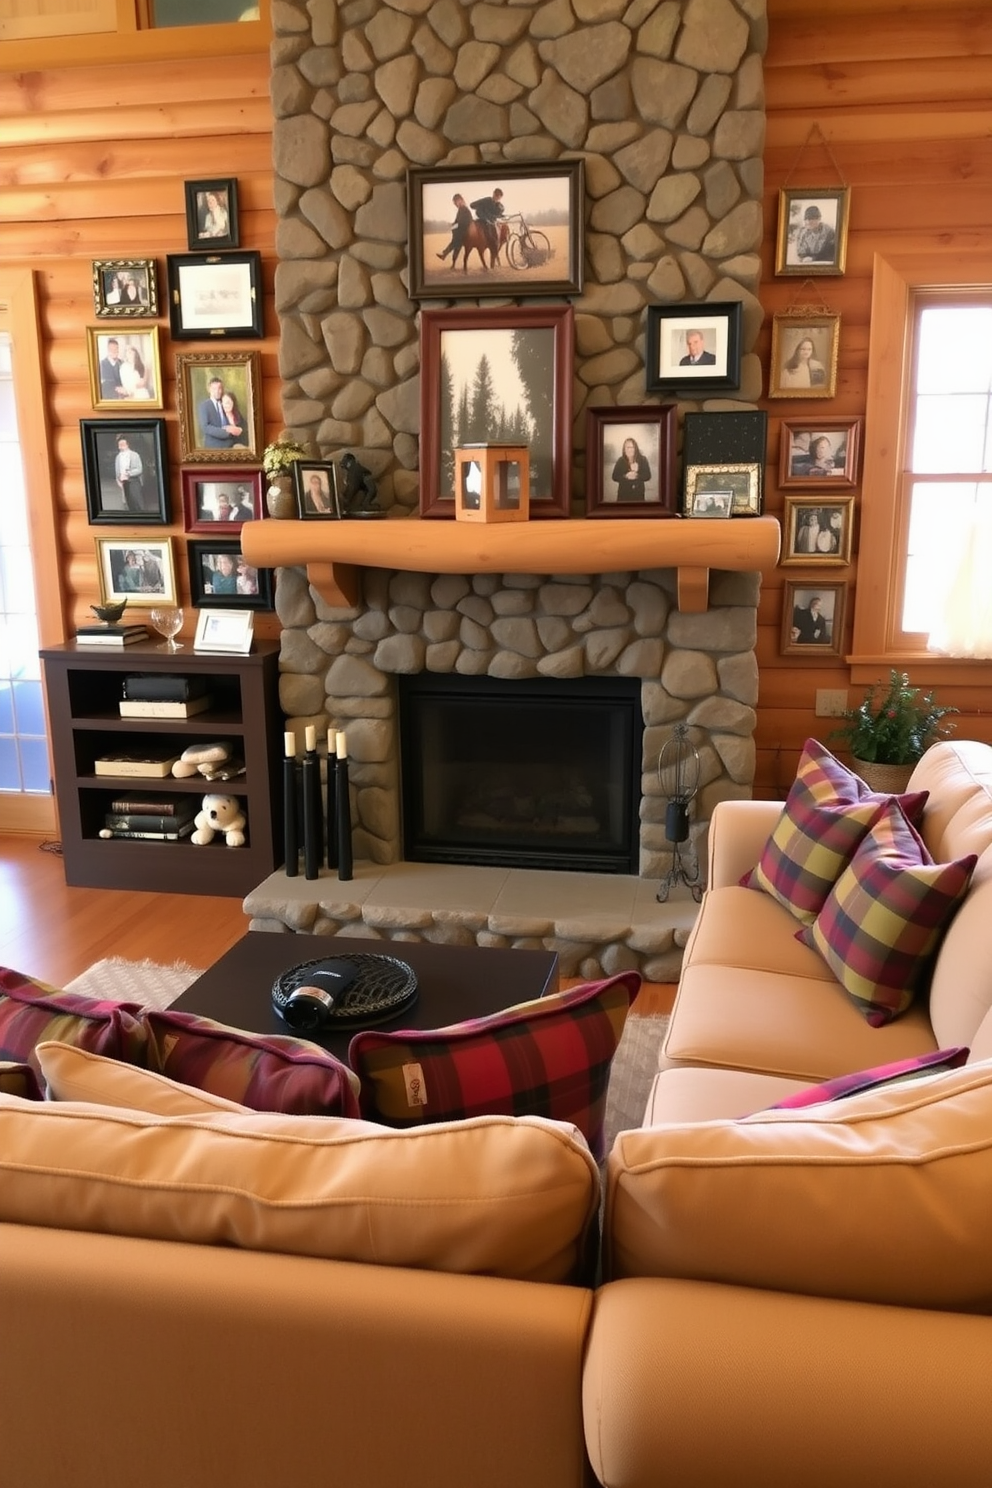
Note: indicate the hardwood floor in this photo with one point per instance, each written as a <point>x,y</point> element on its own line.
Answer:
<point>54,932</point>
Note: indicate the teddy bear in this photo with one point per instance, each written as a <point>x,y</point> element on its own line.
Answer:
<point>223,815</point>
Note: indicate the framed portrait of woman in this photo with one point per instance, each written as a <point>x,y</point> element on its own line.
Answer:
<point>630,461</point>
<point>804,356</point>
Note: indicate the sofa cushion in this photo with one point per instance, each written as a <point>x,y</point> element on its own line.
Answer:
<point>73,1074</point>
<point>266,1072</point>
<point>882,1197</point>
<point>549,1057</point>
<point>883,919</point>
<point>826,814</point>
<point>495,1196</point>
<point>19,1079</point>
<point>31,1011</point>
<point>844,1086</point>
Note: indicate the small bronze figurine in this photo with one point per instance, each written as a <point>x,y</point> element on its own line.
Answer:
<point>359,498</point>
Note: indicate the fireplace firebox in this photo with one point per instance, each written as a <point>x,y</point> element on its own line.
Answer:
<point>541,773</point>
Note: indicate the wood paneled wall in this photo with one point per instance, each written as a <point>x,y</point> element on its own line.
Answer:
<point>900,91</point>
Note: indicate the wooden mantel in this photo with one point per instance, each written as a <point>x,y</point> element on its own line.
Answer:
<point>334,552</point>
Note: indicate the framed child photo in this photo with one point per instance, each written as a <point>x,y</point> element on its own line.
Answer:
<point>817,452</point>
<point>221,577</point>
<point>813,619</point>
<point>125,287</point>
<point>124,367</point>
<point>804,356</point>
<point>630,461</point>
<point>812,230</point>
<point>221,500</point>
<point>818,531</point>
<point>212,213</point>
<point>138,570</point>
<point>125,471</point>
<point>219,395</point>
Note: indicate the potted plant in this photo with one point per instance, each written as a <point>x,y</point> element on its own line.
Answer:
<point>891,729</point>
<point>278,459</point>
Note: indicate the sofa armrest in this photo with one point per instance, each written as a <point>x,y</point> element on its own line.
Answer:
<point>738,833</point>
<point>699,1384</point>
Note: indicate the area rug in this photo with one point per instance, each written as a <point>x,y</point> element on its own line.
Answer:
<point>144,982</point>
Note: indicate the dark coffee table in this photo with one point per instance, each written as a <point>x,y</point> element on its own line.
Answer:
<point>454,982</point>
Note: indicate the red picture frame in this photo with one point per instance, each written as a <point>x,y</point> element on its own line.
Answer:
<point>653,428</point>
<point>203,489</point>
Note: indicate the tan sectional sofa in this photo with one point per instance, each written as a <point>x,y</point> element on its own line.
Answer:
<point>194,1295</point>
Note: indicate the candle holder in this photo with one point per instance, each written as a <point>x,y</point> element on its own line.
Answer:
<point>313,839</point>
<point>331,834</point>
<point>343,810</point>
<point>291,841</point>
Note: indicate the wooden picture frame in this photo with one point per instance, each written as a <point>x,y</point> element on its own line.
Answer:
<point>217,567</point>
<point>812,230</point>
<point>125,288</point>
<point>804,356</point>
<point>125,369</point>
<point>212,295</point>
<point>819,452</point>
<point>644,484</point>
<point>540,232</point>
<point>316,485</point>
<point>798,619</point>
<point>677,334</point>
<point>210,495</point>
<point>144,499</point>
<point>705,482</point>
<point>818,531</point>
<point>529,353</point>
<point>212,213</point>
<point>140,570</point>
<point>202,435</point>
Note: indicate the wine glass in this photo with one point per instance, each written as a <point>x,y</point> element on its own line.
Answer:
<point>168,621</point>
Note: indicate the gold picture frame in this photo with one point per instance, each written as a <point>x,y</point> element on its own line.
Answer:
<point>125,369</point>
<point>818,531</point>
<point>804,356</point>
<point>203,434</point>
<point>812,230</point>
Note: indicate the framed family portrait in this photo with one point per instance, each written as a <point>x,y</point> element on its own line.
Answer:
<point>141,572</point>
<point>812,230</point>
<point>506,230</point>
<point>813,619</point>
<point>215,294</point>
<point>219,398</point>
<point>221,577</point>
<point>723,490</point>
<point>125,471</point>
<point>812,452</point>
<point>630,461</point>
<point>124,367</point>
<point>317,496</point>
<point>212,213</point>
<point>221,500</point>
<point>499,374</point>
<point>818,531</point>
<point>693,348</point>
<point>125,287</point>
<point>804,356</point>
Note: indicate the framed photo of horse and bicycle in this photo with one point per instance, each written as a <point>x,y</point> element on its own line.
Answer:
<point>495,230</point>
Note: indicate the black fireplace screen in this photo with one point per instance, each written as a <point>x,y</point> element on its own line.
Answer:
<point>532,774</point>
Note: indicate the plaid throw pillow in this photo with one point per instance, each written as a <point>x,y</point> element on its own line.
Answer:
<point>550,1057</point>
<point>272,1072</point>
<point>895,1073</point>
<point>827,812</point>
<point>884,917</point>
<point>32,1011</point>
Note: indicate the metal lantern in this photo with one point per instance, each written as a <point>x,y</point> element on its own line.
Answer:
<point>678,776</point>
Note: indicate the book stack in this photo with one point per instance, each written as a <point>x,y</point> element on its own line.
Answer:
<point>111,635</point>
<point>155,818</point>
<point>157,695</point>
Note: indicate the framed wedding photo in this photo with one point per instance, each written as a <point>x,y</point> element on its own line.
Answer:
<point>125,288</point>
<point>804,356</point>
<point>535,213</point>
<point>221,500</point>
<point>215,294</point>
<point>630,461</point>
<point>812,230</point>
<point>124,367</point>
<point>813,619</point>
<point>219,396</point>
<point>525,355</point>
<point>814,452</point>
<point>741,483</point>
<point>221,577</point>
<point>316,484</point>
<point>818,531</point>
<point>138,570</point>
<point>125,471</point>
<point>212,213</point>
<point>693,348</point>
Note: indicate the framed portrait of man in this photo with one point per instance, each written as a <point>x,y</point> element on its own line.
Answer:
<point>812,230</point>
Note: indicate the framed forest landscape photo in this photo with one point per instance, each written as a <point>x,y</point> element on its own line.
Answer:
<point>497,375</point>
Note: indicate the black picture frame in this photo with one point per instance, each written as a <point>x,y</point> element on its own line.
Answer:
<point>316,486</point>
<point>212,295</point>
<point>667,350</point>
<point>200,556</point>
<point>105,501</point>
<point>115,280</point>
<point>204,219</point>
<point>540,243</point>
<point>653,428</point>
<point>733,439</point>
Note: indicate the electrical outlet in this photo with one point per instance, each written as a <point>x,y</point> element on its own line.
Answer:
<point>831,702</point>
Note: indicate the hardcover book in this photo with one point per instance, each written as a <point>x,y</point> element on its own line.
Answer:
<point>184,829</point>
<point>106,637</point>
<point>163,688</point>
<point>156,805</point>
<point>138,821</point>
<point>161,708</point>
<point>150,765</point>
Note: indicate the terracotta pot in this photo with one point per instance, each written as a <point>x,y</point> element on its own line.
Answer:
<point>887,779</point>
<point>280,498</point>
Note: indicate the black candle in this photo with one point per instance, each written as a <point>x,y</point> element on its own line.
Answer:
<point>331,834</point>
<point>291,846</point>
<point>313,844</point>
<point>343,808</point>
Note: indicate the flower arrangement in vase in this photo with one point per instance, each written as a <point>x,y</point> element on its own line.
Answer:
<point>891,729</point>
<point>278,459</point>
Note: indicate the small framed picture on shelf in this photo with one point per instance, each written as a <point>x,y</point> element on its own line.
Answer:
<point>704,483</point>
<point>220,577</point>
<point>124,367</point>
<point>141,571</point>
<point>317,496</point>
<point>812,230</point>
<point>693,348</point>
<point>818,530</point>
<point>221,500</point>
<point>818,452</point>
<point>224,630</point>
<point>804,356</point>
<point>219,395</point>
<point>212,213</point>
<point>813,619</point>
<point>125,471</point>
<point>630,461</point>
<point>212,295</point>
<point>125,288</point>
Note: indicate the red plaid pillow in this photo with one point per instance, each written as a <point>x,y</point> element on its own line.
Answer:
<point>895,1073</point>
<point>31,1012</point>
<point>827,812</point>
<point>550,1057</point>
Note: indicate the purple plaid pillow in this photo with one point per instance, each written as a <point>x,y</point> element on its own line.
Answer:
<point>31,1012</point>
<point>895,1073</point>
<point>550,1057</point>
<point>267,1072</point>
